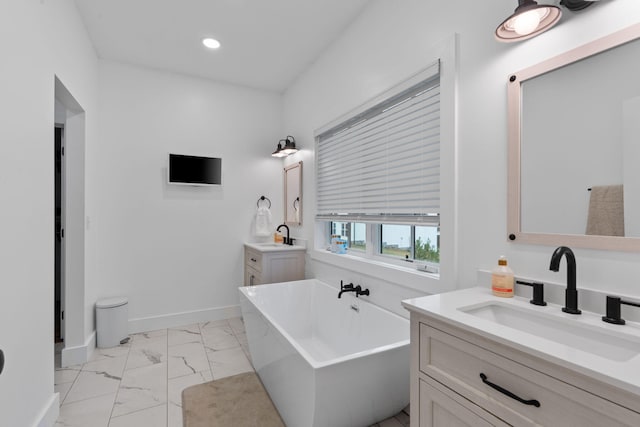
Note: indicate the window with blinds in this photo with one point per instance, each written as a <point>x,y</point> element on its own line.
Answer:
<point>383,165</point>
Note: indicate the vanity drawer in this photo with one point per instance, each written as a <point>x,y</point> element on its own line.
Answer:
<point>252,277</point>
<point>458,364</point>
<point>253,259</point>
<point>441,407</point>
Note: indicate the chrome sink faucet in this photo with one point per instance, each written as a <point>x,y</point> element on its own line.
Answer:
<point>571,293</point>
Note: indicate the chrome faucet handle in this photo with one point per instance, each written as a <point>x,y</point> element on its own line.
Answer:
<point>613,310</point>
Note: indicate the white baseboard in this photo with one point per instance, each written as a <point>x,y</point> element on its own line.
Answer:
<point>79,354</point>
<point>50,412</point>
<point>173,320</point>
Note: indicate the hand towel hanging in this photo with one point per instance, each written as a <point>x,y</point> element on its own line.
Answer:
<point>606,211</point>
<point>263,221</point>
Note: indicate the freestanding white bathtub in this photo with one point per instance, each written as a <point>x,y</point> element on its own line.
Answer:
<point>326,362</point>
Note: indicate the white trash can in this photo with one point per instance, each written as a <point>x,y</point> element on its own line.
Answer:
<point>112,315</point>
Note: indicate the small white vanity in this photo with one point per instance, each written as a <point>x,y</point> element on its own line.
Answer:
<point>272,263</point>
<point>480,360</point>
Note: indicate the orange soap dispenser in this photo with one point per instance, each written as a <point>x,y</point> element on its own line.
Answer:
<point>502,279</point>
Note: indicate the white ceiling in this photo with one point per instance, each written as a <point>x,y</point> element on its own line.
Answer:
<point>266,44</point>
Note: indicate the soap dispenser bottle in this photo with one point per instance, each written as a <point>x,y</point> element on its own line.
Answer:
<point>502,279</point>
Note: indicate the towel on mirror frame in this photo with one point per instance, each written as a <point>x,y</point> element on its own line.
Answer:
<point>263,221</point>
<point>606,211</point>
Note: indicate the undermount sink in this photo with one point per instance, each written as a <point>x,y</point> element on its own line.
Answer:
<point>570,332</point>
<point>272,247</point>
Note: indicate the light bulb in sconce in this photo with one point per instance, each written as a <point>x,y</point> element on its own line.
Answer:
<point>279,152</point>
<point>527,22</point>
<point>290,145</point>
<point>285,147</point>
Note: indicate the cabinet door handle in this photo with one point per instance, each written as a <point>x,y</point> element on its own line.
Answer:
<point>506,392</point>
<point>254,260</point>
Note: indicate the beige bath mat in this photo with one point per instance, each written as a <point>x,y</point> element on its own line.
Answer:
<point>238,401</point>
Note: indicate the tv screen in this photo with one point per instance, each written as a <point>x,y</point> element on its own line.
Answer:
<point>195,170</point>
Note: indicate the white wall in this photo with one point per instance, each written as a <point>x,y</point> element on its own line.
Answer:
<point>176,251</point>
<point>388,43</point>
<point>38,40</point>
<point>631,173</point>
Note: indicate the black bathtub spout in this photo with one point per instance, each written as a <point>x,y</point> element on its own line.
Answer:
<point>350,288</point>
<point>345,288</point>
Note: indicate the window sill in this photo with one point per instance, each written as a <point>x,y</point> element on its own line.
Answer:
<point>411,278</point>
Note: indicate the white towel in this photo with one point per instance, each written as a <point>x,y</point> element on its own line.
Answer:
<point>263,221</point>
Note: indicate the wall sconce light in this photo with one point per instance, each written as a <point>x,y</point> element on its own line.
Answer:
<point>290,145</point>
<point>530,19</point>
<point>574,5</point>
<point>288,148</point>
<point>279,152</point>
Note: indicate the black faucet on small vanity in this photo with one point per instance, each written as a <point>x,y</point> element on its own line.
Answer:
<point>350,288</point>
<point>287,240</point>
<point>571,293</point>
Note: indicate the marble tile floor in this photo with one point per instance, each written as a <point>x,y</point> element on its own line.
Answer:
<point>139,384</point>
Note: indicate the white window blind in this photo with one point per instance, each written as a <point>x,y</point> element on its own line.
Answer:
<point>384,164</point>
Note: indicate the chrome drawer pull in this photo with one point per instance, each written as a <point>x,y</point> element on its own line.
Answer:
<point>532,402</point>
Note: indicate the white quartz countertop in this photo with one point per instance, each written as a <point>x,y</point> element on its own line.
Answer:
<point>623,373</point>
<point>274,247</point>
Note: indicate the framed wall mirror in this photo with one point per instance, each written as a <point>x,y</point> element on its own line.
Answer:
<point>574,147</point>
<point>293,194</point>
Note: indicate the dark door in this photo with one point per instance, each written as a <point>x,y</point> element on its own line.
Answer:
<point>58,233</point>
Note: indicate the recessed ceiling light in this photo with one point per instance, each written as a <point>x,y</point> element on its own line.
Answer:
<point>211,43</point>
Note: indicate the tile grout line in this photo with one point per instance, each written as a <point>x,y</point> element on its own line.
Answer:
<point>205,351</point>
<point>124,369</point>
<point>70,387</point>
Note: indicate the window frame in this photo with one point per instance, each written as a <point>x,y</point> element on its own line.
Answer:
<point>373,248</point>
<point>446,50</point>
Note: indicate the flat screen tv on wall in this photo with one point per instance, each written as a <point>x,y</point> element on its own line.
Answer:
<point>194,170</point>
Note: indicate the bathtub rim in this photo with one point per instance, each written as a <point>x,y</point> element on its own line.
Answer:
<point>305,354</point>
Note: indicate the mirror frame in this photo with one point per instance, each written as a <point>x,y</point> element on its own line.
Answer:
<point>514,93</point>
<point>296,167</point>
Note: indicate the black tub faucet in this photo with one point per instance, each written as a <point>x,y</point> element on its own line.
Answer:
<point>571,293</point>
<point>350,288</point>
<point>345,288</point>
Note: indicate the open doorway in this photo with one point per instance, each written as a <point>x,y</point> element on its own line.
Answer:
<point>69,231</point>
<point>59,233</point>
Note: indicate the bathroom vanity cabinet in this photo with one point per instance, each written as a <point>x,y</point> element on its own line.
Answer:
<point>447,388</point>
<point>270,263</point>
